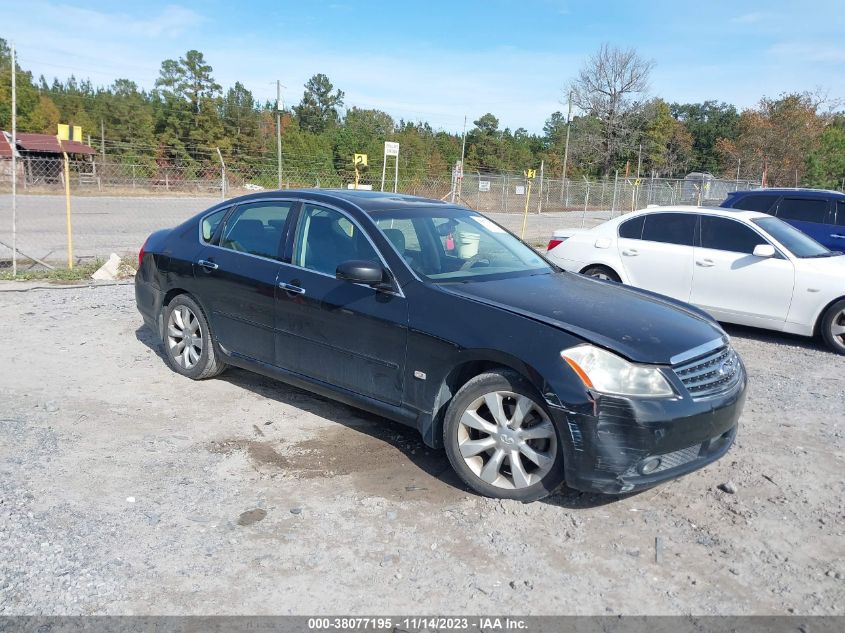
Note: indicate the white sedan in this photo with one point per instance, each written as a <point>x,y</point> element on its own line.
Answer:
<point>740,266</point>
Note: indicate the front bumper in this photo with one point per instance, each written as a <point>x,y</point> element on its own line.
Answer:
<point>627,444</point>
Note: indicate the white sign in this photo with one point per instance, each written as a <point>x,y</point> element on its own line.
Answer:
<point>391,148</point>
<point>520,190</point>
<point>361,187</point>
<point>484,185</point>
<point>458,170</point>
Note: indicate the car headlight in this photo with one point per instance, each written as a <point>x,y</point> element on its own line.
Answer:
<point>609,373</point>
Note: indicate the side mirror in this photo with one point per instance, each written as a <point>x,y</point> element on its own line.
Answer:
<point>764,250</point>
<point>360,272</point>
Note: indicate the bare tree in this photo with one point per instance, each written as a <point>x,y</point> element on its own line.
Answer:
<point>611,87</point>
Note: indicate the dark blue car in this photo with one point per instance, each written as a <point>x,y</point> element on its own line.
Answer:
<point>818,213</point>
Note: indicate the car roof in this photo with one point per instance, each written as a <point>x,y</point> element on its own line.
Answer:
<point>367,201</point>
<point>780,191</point>
<point>721,211</point>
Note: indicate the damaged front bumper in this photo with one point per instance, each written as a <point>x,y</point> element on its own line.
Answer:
<point>627,444</point>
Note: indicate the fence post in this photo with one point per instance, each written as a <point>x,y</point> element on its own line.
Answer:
<point>615,185</point>
<point>540,197</point>
<point>586,199</point>
<point>222,174</point>
<point>133,175</point>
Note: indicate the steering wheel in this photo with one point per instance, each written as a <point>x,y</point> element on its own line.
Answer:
<point>473,261</point>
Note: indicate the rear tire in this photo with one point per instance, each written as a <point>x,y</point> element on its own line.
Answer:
<point>501,440</point>
<point>833,327</point>
<point>189,346</point>
<point>601,272</point>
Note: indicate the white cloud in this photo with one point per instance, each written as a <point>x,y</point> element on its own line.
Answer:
<point>750,18</point>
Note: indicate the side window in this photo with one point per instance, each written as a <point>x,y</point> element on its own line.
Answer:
<point>761,202</point>
<point>210,224</point>
<point>326,238</point>
<point>724,234</point>
<point>670,228</point>
<point>401,232</point>
<point>632,229</point>
<point>804,209</point>
<point>257,228</point>
<point>840,213</point>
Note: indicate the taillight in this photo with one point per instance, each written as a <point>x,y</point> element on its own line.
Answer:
<point>141,254</point>
<point>554,242</point>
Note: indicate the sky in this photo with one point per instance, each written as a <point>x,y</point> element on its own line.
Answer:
<point>440,61</point>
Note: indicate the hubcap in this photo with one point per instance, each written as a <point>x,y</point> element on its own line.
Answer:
<point>601,275</point>
<point>184,337</point>
<point>507,440</point>
<point>837,327</point>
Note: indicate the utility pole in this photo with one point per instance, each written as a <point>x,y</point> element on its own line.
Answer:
<point>566,147</point>
<point>279,128</point>
<point>14,166</point>
<point>103,140</point>
<point>460,182</point>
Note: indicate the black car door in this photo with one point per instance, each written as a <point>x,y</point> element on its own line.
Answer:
<point>236,277</point>
<point>346,334</point>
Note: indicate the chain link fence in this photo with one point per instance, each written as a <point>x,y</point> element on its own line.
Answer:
<point>116,202</point>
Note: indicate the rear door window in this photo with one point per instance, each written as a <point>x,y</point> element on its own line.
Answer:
<point>803,209</point>
<point>670,228</point>
<point>723,234</point>
<point>257,229</point>
<point>211,222</point>
<point>757,202</point>
<point>632,229</point>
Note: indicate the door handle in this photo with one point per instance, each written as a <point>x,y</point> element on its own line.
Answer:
<point>207,264</point>
<point>291,288</point>
<point>630,252</point>
<point>837,236</point>
<point>705,263</point>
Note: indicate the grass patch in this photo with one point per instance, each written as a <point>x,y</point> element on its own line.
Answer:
<point>81,272</point>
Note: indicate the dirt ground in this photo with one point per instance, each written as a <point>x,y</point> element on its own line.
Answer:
<point>127,489</point>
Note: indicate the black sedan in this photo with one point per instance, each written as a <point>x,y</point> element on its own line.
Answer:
<point>435,316</point>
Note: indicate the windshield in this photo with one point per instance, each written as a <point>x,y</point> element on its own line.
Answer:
<point>455,245</point>
<point>800,244</point>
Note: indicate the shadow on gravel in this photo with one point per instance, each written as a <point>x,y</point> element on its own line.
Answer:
<point>779,338</point>
<point>572,499</point>
<point>146,336</point>
<point>432,462</point>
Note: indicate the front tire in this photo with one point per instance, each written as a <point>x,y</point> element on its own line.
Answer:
<point>601,272</point>
<point>500,438</point>
<point>188,343</point>
<point>833,327</point>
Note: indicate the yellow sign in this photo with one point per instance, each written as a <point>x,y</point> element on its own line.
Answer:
<point>531,174</point>
<point>69,132</point>
<point>360,160</point>
<point>637,182</point>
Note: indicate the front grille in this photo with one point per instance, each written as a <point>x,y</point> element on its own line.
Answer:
<point>709,375</point>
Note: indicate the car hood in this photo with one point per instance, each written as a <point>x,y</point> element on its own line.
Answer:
<point>642,326</point>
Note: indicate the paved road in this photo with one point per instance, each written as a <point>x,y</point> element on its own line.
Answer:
<point>106,224</point>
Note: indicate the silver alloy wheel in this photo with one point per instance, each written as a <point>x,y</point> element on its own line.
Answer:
<point>507,440</point>
<point>837,327</point>
<point>184,337</point>
<point>601,275</point>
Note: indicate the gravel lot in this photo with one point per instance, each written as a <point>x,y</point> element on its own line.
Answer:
<point>127,489</point>
<point>106,224</point>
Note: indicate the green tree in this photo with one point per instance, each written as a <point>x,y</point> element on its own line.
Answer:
<point>318,109</point>
<point>707,123</point>
<point>826,164</point>
<point>27,95</point>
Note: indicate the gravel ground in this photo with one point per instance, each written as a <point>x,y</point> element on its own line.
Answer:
<point>106,224</point>
<point>127,489</point>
